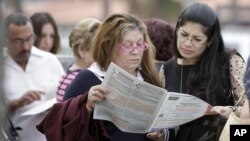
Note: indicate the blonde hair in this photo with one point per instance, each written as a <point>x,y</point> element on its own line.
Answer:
<point>111,33</point>
<point>83,33</point>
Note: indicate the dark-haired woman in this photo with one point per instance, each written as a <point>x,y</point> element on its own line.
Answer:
<point>45,28</point>
<point>199,68</point>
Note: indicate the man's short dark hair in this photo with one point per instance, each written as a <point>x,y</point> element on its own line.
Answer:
<point>18,19</point>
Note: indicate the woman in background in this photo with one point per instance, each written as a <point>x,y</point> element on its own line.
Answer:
<point>80,41</point>
<point>161,34</point>
<point>47,36</point>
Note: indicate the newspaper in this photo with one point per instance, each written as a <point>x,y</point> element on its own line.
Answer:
<point>139,107</point>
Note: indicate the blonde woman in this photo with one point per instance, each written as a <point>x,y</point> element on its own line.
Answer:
<point>80,40</point>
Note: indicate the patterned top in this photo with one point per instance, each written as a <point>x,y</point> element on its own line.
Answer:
<point>237,69</point>
<point>64,82</point>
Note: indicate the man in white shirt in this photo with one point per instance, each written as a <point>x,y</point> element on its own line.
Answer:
<point>30,76</point>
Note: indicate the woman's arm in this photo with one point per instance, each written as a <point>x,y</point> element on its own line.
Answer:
<point>237,73</point>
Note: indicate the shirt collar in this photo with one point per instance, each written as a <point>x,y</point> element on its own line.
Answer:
<point>96,69</point>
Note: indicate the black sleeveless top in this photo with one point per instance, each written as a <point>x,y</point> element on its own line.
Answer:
<point>201,129</point>
<point>173,78</point>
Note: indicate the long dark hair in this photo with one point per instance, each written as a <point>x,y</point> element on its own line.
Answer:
<point>205,79</point>
<point>38,21</point>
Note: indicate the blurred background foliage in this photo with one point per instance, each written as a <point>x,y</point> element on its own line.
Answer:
<point>165,9</point>
<point>234,15</point>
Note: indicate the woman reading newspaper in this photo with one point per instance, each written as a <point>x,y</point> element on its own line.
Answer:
<point>199,68</point>
<point>123,40</point>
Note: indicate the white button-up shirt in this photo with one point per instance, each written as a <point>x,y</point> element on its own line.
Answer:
<point>43,72</point>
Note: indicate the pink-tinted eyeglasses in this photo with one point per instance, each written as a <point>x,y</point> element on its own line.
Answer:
<point>129,48</point>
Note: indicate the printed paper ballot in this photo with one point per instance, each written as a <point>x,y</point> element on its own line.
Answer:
<point>139,107</point>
